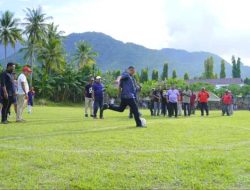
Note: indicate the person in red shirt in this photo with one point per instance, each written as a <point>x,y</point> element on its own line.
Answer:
<point>203,97</point>
<point>226,101</point>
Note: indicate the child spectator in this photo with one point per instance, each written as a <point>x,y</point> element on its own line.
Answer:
<point>31,95</point>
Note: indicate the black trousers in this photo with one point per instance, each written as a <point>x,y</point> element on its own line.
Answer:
<point>6,107</point>
<point>187,109</point>
<point>172,109</point>
<point>130,110</point>
<point>132,104</point>
<point>204,106</point>
<point>164,108</point>
<point>151,107</point>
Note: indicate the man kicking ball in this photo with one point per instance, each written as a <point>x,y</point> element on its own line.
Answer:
<point>127,89</point>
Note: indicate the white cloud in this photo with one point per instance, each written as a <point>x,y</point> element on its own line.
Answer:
<point>218,26</point>
<point>138,21</point>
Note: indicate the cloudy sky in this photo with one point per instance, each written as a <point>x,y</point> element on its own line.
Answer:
<point>217,26</point>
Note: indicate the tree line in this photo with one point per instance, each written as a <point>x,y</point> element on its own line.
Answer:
<point>57,79</point>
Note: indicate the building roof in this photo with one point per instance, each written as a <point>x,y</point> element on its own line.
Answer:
<point>226,81</point>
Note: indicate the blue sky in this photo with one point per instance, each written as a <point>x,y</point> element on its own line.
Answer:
<point>218,26</point>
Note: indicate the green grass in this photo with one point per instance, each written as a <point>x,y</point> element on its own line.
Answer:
<point>58,149</point>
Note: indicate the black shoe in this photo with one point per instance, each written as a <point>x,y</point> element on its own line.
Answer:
<point>91,115</point>
<point>86,115</point>
<point>105,107</point>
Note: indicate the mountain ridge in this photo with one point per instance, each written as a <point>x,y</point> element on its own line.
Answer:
<point>115,54</point>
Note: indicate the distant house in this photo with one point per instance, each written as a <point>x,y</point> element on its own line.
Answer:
<point>218,83</point>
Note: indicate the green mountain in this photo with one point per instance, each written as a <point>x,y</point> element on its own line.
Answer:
<point>114,54</point>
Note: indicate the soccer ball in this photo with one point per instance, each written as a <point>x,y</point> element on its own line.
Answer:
<point>143,122</point>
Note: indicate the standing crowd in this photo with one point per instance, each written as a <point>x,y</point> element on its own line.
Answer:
<point>173,102</point>
<point>15,91</point>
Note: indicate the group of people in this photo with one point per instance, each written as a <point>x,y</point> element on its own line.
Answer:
<point>15,90</point>
<point>168,102</point>
<point>173,101</point>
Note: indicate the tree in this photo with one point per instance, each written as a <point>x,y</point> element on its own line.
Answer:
<point>174,74</point>
<point>84,54</point>
<point>155,75</point>
<point>209,68</point>
<point>238,69</point>
<point>186,76</point>
<point>35,29</point>
<point>247,81</point>
<point>51,51</point>
<point>144,75</point>
<point>51,55</point>
<point>52,32</point>
<point>234,67</point>
<point>164,75</point>
<point>222,70</point>
<point>9,31</point>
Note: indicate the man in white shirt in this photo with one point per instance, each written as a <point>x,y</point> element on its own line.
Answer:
<point>22,92</point>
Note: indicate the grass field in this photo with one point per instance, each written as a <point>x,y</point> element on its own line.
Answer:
<point>58,149</point>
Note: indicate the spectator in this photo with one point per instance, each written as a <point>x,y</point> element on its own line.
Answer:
<point>203,97</point>
<point>151,103</point>
<point>226,101</point>
<point>179,105</point>
<point>186,101</point>
<point>22,92</point>
<point>173,99</point>
<point>157,102</point>
<point>15,86</point>
<point>88,98</point>
<point>164,102</point>
<point>8,91</point>
<point>98,96</point>
<point>192,103</point>
<point>31,95</point>
<point>231,106</point>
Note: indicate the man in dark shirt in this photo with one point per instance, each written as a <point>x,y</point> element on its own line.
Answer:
<point>157,102</point>
<point>164,102</point>
<point>89,98</point>
<point>98,96</point>
<point>8,90</point>
<point>128,89</point>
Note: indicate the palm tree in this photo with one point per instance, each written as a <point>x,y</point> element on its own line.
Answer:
<point>84,54</point>
<point>35,29</point>
<point>53,32</point>
<point>9,31</point>
<point>51,55</point>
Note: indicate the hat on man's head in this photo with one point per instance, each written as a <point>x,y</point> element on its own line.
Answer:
<point>10,64</point>
<point>98,77</point>
<point>27,69</point>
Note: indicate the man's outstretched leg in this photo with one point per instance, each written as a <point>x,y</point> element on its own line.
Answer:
<point>117,108</point>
